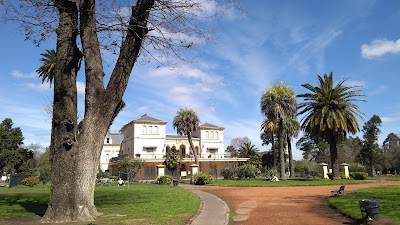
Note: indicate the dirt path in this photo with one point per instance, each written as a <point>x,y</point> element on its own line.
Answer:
<point>285,205</point>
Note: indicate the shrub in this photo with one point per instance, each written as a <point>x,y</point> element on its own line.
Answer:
<point>246,171</point>
<point>164,179</point>
<point>341,174</point>
<point>228,173</point>
<point>202,179</point>
<point>115,178</point>
<point>359,175</point>
<point>357,168</point>
<point>30,181</point>
<point>271,173</point>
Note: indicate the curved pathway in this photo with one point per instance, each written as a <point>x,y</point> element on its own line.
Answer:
<point>285,205</point>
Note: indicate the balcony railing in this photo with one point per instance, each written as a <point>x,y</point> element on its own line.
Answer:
<point>187,156</point>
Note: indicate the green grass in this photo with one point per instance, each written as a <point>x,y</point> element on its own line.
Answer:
<point>281,183</point>
<point>388,196</point>
<point>138,204</point>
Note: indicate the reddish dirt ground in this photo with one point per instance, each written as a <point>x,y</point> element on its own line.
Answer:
<point>285,205</point>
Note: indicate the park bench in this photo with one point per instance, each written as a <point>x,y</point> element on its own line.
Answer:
<point>339,191</point>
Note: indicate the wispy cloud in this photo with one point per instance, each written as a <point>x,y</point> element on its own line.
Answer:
<point>80,87</point>
<point>380,47</point>
<point>378,90</point>
<point>39,87</point>
<point>356,83</point>
<point>19,74</point>
<point>390,119</point>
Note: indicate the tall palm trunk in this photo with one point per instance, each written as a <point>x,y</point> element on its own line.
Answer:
<point>196,160</point>
<point>334,156</point>
<point>291,166</point>
<point>273,151</point>
<point>281,136</point>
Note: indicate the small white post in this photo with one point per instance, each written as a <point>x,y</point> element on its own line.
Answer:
<point>346,170</point>
<point>324,170</point>
<point>160,170</point>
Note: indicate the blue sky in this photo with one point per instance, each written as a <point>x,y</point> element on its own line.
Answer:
<point>265,43</point>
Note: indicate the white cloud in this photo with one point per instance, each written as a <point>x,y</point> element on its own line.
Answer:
<point>39,87</point>
<point>380,47</point>
<point>80,86</point>
<point>18,74</point>
<point>357,83</point>
<point>390,119</point>
<point>377,90</point>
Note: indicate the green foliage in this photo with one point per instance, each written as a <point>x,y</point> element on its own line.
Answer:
<point>271,173</point>
<point>30,181</point>
<point>115,178</point>
<point>130,166</point>
<point>102,174</point>
<point>172,158</point>
<point>341,174</point>
<point>370,146</point>
<point>202,179</point>
<point>246,171</point>
<point>47,68</point>
<point>12,156</point>
<point>43,166</point>
<point>164,179</point>
<point>229,173</point>
<point>330,113</point>
<point>359,175</point>
<point>378,167</point>
<point>186,122</point>
<point>355,167</point>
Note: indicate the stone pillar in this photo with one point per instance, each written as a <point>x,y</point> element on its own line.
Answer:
<point>324,170</point>
<point>194,168</point>
<point>346,170</point>
<point>160,170</point>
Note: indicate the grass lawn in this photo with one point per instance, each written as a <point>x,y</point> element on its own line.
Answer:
<point>138,204</point>
<point>290,182</point>
<point>388,196</point>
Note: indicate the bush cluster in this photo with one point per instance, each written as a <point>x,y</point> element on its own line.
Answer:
<point>359,175</point>
<point>246,171</point>
<point>202,179</point>
<point>228,173</point>
<point>30,181</point>
<point>164,179</point>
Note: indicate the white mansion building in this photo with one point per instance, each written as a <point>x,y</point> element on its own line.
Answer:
<point>146,138</point>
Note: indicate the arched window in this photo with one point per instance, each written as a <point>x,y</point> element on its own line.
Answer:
<point>207,135</point>
<point>155,130</point>
<point>212,135</point>
<point>144,130</point>
<point>149,129</point>
<point>216,134</point>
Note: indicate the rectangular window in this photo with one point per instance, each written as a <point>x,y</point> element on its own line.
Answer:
<point>149,171</point>
<point>107,157</point>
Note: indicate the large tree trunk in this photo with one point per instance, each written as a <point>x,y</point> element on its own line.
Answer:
<point>281,136</point>
<point>291,165</point>
<point>75,152</point>
<point>334,156</point>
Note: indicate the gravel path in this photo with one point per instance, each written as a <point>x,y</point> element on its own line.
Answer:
<point>285,205</point>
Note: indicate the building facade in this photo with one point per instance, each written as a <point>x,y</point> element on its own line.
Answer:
<point>146,138</point>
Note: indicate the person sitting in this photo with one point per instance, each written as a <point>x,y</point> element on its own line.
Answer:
<point>120,182</point>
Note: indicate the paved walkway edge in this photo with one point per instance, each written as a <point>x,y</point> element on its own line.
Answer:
<point>213,211</point>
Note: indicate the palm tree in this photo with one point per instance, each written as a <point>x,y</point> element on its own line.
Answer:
<point>292,128</point>
<point>247,150</point>
<point>186,122</point>
<point>278,103</point>
<point>330,113</point>
<point>47,69</point>
<point>269,129</point>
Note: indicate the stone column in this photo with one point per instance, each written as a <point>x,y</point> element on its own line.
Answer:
<point>324,170</point>
<point>194,168</point>
<point>160,170</point>
<point>346,170</point>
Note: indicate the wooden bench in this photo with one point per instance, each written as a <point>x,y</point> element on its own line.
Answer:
<point>339,191</point>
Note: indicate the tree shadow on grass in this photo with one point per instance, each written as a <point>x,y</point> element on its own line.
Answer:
<point>33,203</point>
